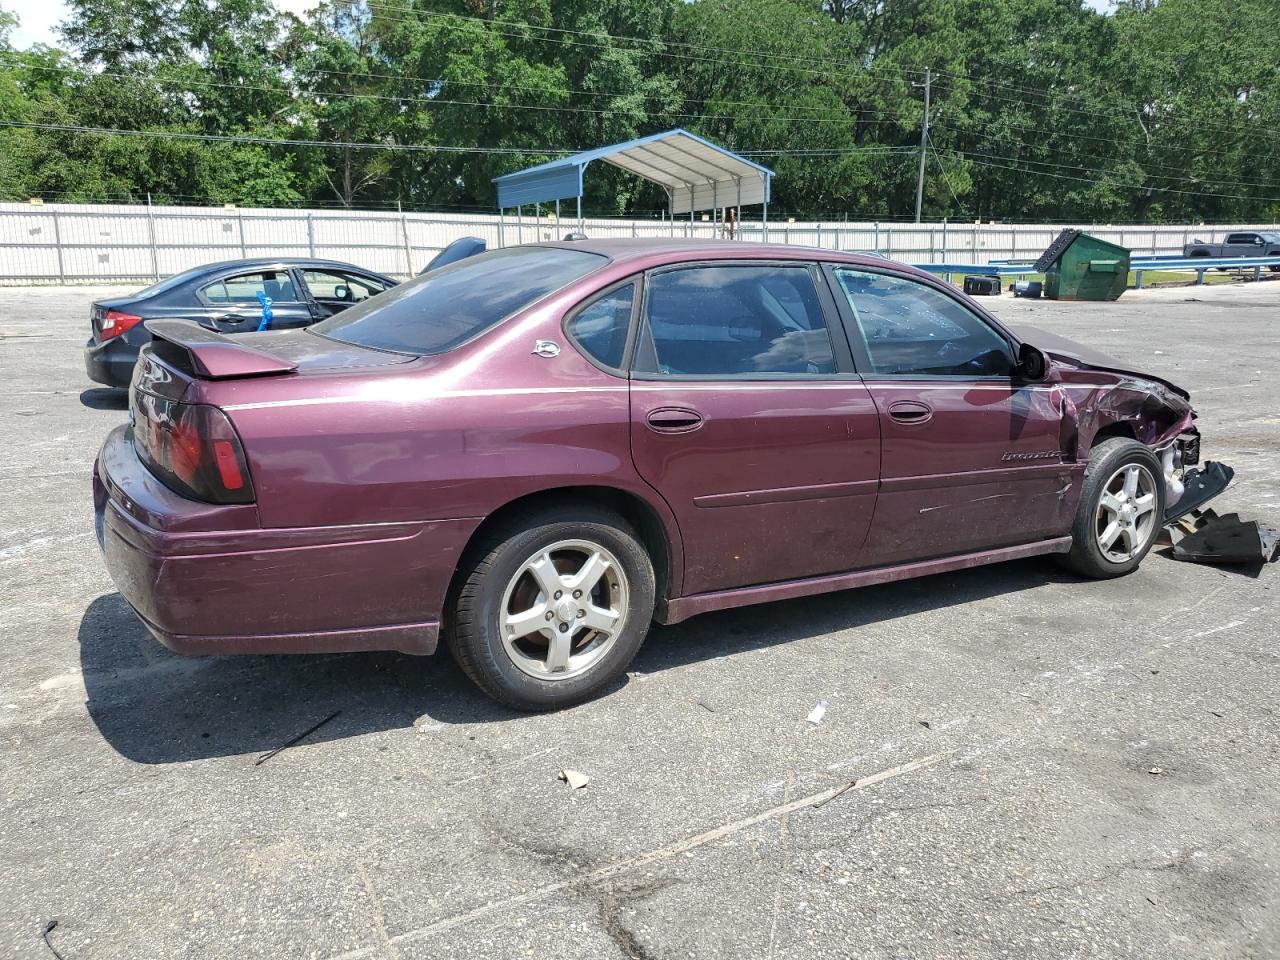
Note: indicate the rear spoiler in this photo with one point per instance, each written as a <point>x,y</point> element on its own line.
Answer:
<point>211,355</point>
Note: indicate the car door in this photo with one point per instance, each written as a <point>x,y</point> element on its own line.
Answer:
<point>1242,245</point>
<point>334,290</point>
<point>748,419</point>
<point>971,455</point>
<point>231,302</point>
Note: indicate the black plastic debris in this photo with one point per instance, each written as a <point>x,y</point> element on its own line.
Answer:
<point>1228,539</point>
<point>298,739</point>
<point>1201,487</point>
<point>982,286</point>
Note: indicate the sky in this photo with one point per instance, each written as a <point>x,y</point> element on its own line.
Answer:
<point>39,18</point>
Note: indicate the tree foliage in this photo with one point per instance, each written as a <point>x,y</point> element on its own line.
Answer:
<point>1040,109</point>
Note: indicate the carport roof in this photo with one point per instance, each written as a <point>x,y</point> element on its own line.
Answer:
<point>697,174</point>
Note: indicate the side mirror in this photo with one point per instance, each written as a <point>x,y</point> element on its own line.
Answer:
<point>1032,363</point>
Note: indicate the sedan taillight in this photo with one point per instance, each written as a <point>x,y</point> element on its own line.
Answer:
<point>192,449</point>
<point>115,323</point>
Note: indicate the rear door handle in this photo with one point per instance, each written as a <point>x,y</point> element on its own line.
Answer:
<point>673,420</point>
<point>910,411</point>
<point>233,318</point>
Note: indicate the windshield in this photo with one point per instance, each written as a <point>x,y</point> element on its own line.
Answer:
<point>437,311</point>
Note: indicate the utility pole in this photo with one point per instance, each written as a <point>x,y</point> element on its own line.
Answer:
<point>924,142</point>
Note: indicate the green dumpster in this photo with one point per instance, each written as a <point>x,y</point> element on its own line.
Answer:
<point>1080,267</point>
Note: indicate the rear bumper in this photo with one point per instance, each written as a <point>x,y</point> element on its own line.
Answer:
<point>110,363</point>
<point>204,581</point>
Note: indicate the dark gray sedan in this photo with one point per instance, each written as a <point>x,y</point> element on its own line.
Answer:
<point>232,297</point>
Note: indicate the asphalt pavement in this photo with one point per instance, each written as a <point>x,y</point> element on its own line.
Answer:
<point>1044,767</point>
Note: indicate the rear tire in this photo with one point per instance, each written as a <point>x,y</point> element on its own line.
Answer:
<point>1121,510</point>
<point>553,608</point>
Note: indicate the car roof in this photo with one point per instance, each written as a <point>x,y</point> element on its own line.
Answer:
<point>252,262</point>
<point>651,251</point>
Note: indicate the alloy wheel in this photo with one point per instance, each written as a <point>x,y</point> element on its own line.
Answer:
<point>563,610</point>
<point>1126,517</point>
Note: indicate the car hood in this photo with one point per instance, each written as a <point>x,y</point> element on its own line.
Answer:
<point>1079,355</point>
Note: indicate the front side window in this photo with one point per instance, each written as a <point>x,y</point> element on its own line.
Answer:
<point>600,328</point>
<point>437,311</point>
<point>911,329</point>
<point>341,287</point>
<point>735,320</point>
<point>245,287</point>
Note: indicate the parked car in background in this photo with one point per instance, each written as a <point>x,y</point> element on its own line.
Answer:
<point>537,451</point>
<point>460,249</point>
<point>228,297</point>
<point>1238,245</point>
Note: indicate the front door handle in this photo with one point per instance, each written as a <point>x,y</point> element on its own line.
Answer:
<point>235,318</point>
<point>673,420</point>
<point>909,411</point>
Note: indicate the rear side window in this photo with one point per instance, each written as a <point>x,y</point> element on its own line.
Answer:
<point>600,328</point>
<point>437,311</point>
<point>914,330</point>
<point>245,287</point>
<point>1245,238</point>
<point>735,320</point>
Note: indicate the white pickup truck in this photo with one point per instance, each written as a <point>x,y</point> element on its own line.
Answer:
<point>1238,245</point>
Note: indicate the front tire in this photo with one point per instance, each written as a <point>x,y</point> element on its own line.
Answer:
<point>553,609</point>
<point>1121,510</point>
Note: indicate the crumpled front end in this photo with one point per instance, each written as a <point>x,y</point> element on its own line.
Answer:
<point>1101,397</point>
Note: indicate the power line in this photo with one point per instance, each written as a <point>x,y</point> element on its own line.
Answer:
<point>270,141</point>
<point>441,101</point>
<point>1132,186</point>
<point>494,26</point>
<point>1153,176</point>
<point>1128,113</point>
<point>421,148</point>
<point>446,81</point>
<point>756,54</point>
<point>742,53</point>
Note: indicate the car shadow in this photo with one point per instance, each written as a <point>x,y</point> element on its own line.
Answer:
<point>153,706</point>
<point>105,398</point>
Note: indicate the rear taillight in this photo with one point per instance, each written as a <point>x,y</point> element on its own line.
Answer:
<point>191,448</point>
<point>115,323</point>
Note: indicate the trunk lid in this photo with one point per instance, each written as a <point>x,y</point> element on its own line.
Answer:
<point>182,351</point>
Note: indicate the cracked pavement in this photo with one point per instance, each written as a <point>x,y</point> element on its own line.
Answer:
<point>426,822</point>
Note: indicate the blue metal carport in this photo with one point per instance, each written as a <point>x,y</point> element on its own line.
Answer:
<point>695,173</point>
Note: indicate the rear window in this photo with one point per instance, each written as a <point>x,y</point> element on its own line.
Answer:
<point>168,283</point>
<point>439,310</point>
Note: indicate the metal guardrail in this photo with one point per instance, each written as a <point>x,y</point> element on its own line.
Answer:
<point>1137,265</point>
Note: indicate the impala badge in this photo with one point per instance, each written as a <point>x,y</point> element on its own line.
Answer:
<point>546,348</point>
<point>1038,455</point>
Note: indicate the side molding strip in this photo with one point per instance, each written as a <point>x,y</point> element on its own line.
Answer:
<point>682,608</point>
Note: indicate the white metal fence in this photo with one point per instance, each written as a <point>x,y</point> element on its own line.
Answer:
<point>92,243</point>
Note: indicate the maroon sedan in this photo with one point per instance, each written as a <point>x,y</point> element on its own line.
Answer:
<point>537,451</point>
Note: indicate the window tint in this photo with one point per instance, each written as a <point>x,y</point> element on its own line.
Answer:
<point>436,311</point>
<point>600,328</point>
<point>341,287</point>
<point>736,320</point>
<point>910,328</point>
<point>1243,238</point>
<point>245,288</point>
